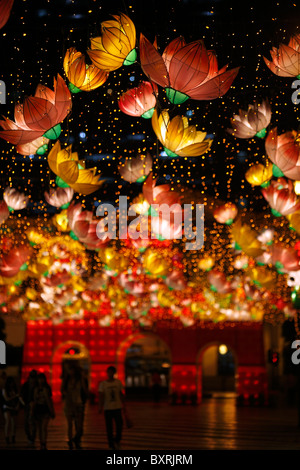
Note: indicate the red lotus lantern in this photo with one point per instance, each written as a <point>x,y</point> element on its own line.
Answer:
<point>139,101</point>
<point>185,70</point>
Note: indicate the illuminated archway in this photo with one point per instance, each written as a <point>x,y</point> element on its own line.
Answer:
<point>57,360</point>
<point>199,364</point>
<point>125,346</point>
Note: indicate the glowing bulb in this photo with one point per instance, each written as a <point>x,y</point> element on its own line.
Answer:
<point>223,349</point>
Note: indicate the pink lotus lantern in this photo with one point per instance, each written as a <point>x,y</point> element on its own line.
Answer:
<point>226,213</point>
<point>281,197</point>
<point>60,197</point>
<point>15,200</point>
<point>284,151</point>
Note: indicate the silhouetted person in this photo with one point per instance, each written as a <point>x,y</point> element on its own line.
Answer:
<point>27,391</point>
<point>74,391</point>
<point>11,404</point>
<point>42,408</point>
<point>111,400</point>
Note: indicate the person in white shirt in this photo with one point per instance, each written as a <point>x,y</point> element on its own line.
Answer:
<point>112,400</point>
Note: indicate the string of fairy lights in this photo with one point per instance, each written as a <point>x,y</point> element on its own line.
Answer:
<point>104,136</point>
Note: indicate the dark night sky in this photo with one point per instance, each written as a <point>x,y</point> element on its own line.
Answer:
<point>32,46</point>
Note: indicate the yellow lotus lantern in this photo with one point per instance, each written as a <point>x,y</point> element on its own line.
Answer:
<point>166,298</point>
<point>262,277</point>
<point>35,237</point>
<point>259,175</point>
<point>116,46</point>
<point>61,222</point>
<point>177,137</point>
<point>294,221</point>
<point>246,239</point>
<point>31,294</point>
<point>113,259</point>
<point>82,77</point>
<point>206,263</point>
<point>71,171</point>
<point>154,264</point>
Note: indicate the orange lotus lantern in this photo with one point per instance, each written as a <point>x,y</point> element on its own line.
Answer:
<point>116,46</point>
<point>284,151</point>
<point>178,137</point>
<point>252,122</point>
<point>226,213</point>
<point>83,227</point>
<point>185,70</point>
<point>281,197</point>
<point>82,77</point>
<point>14,261</point>
<point>5,9</point>
<point>136,169</point>
<point>39,115</point>
<point>286,59</point>
<point>139,101</point>
<point>259,175</point>
<point>71,171</point>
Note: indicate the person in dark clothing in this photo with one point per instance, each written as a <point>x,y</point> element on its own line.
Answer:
<point>27,397</point>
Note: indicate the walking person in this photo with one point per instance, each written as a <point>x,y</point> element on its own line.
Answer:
<point>112,400</point>
<point>42,408</point>
<point>11,405</point>
<point>27,391</point>
<point>74,391</point>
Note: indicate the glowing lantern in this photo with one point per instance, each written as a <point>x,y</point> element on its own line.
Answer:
<point>61,221</point>
<point>286,59</point>
<point>206,263</point>
<point>246,239</point>
<point>116,46</point>
<point>284,258</point>
<point>60,197</point>
<point>71,171</point>
<point>154,264</point>
<point>284,151</point>
<point>38,146</point>
<point>113,260</point>
<point>39,115</point>
<point>14,261</point>
<point>185,70</point>
<point>35,237</point>
<point>82,77</point>
<point>177,137</point>
<point>15,200</point>
<point>262,277</point>
<point>139,101</point>
<point>281,198</point>
<point>226,213</point>
<point>136,170</point>
<point>259,175</point>
<point>175,280</point>
<point>163,228</point>
<point>4,212</point>
<point>252,122</point>
<point>161,194</point>
<point>5,9</point>
<point>83,227</point>
<point>218,282</point>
